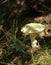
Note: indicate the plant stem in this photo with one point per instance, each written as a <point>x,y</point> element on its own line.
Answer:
<point>32,57</point>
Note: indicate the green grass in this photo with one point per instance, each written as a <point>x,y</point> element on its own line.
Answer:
<point>16,50</point>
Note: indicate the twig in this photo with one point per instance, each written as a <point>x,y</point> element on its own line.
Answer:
<point>3,2</point>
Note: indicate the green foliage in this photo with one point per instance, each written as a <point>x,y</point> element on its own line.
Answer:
<point>14,47</point>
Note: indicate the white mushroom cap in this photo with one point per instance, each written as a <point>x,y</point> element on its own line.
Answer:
<point>32,28</point>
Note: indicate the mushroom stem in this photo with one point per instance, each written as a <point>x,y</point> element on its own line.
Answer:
<point>32,37</point>
<point>33,40</point>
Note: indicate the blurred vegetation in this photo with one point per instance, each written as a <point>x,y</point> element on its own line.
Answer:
<point>14,47</point>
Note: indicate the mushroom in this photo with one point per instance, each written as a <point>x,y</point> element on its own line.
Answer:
<point>34,30</point>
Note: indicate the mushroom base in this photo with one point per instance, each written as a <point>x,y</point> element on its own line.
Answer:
<point>35,44</point>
